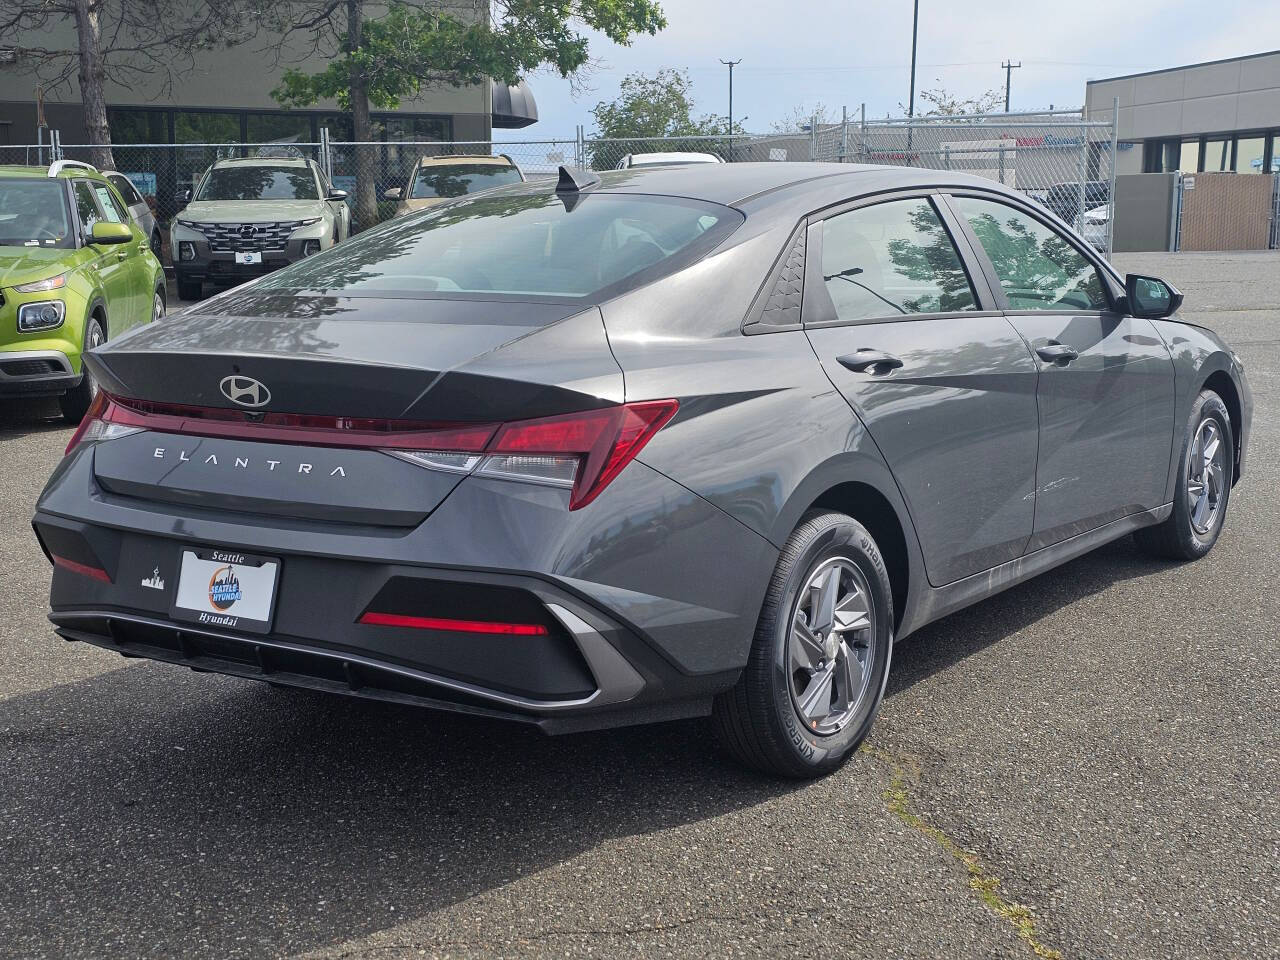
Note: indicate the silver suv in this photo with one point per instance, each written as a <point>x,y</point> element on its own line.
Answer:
<point>247,217</point>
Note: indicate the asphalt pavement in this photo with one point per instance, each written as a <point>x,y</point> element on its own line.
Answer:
<point>1087,765</point>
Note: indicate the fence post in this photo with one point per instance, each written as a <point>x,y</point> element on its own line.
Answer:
<point>1002,162</point>
<point>1175,217</point>
<point>1083,173</point>
<point>844,134</point>
<point>1275,211</point>
<point>1111,190</point>
<point>862,133</point>
<point>326,159</point>
<point>813,137</point>
<point>579,148</point>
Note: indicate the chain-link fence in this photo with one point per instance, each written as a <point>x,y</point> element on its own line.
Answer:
<point>1062,160</point>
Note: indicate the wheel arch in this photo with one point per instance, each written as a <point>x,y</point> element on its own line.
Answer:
<point>1221,383</point>
<point>864,489</point>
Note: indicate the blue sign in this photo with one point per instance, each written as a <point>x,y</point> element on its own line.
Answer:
<point>144,183</point>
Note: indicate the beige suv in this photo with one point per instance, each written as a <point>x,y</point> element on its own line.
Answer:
<point>436,179</point>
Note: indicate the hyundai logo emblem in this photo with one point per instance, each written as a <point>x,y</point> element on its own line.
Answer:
<point>245,391</point>
<point>248,231</point>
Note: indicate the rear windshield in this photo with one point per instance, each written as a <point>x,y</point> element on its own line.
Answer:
<point>518,244</point>
<point>259,183</point>
<point>459,179</point>
<point>33,213</point>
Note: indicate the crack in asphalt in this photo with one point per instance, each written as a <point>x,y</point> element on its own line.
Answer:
<point>981,880</point>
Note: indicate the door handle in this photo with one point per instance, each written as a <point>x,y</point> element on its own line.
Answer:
<point>1059,353</point>
<point>867,359</point>
<point>122,255</point>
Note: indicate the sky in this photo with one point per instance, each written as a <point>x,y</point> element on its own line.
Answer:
<point>844,54</point>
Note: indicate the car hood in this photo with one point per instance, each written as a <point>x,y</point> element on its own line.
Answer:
<point>28,264</point>
<point>251,211</point>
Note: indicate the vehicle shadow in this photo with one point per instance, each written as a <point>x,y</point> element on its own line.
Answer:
<point>23,416</point>
<point>150,810</point>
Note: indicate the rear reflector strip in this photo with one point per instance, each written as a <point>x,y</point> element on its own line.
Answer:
<point>457,626</point>
<point>96,573</point>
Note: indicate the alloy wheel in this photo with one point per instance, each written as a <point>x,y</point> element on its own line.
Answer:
<point>830,648</point>
<point>1206,476</point>
<point>157,307</point>
<point>95,338</point>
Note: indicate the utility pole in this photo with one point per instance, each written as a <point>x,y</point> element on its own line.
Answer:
<point>731,64</point>
<point>1008,67</point>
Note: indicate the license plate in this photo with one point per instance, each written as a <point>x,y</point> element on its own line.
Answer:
<point>226,588</point>
<point>248,256</point>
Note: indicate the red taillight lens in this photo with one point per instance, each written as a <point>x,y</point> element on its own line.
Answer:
<point>372,618</point>
<point>605,440</point>
<point>96,410</point>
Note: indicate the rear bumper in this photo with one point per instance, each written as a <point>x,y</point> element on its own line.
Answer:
<point>643,621</point>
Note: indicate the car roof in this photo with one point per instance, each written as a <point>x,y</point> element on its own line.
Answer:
<point>42,172</point>
<point>766,183</point>
<point>435,161</point>
<point>679,156</point>
<point>262,162</point>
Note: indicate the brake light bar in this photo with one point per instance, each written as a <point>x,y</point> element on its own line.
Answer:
<point>584,450</point>
<point>373,618</point>
<point>84,569</point>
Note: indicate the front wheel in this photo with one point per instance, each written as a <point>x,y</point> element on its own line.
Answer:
<point>818,665</point>
<point>1200,498</point>
<point>75,402</point>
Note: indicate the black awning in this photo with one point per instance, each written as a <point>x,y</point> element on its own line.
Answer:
<point>513,106</point>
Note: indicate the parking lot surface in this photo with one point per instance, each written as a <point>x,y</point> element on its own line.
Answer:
<point>1087,765</point>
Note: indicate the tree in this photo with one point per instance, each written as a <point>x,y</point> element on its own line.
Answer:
<point>652,107</point>
<point>802,116</point>
<point>116,40</point>
<point>946,104</point>
<point>384,60</point>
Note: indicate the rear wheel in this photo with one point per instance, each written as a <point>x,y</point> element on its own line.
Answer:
<point>189,289</point>
<point>75,402</point>
<point>1203,489</point>
<point>818,664</point>
<point>157,305</point>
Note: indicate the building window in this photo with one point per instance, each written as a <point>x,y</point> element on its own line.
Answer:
<point>1217,155</point>
<point>207,127</point>
<point>1251,155</point>
<point>278,128</point>
<point>139,126</point>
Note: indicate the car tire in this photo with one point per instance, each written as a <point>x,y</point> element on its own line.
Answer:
<point>1203,489</point>
<point>75,402</point>
<point>779,718</point>
<point>189,289</point>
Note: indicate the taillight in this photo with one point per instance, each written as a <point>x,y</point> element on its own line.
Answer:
<point>94,415</point>
<point>580,451</point>
<point>584,451</point>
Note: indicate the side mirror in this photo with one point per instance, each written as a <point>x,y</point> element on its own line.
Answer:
<point>391,194</point>
<point>182,197</point>
<point>336,195</point>
<point>104,232</point>
<point>1150,297</point>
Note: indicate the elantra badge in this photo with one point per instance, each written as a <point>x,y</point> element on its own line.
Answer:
<point>245,391</point>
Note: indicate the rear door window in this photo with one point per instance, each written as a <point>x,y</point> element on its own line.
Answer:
<point>112,209</point>
<point>519,244</point>
<point>892,259</point>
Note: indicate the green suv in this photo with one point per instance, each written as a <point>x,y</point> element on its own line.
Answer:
<point>74,267</point>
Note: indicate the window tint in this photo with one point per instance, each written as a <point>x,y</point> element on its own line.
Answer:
<point>85,207</point>
<point>111,209</point>
<point>518,243</point>
<point>1038,267</point>
<point>892,259</point>
<point>126,189</point>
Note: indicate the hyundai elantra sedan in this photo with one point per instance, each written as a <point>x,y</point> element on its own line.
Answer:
<point>638,446</point>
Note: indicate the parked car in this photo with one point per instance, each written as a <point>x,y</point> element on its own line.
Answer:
<point>434,180</point>
<point>249,216</point>
<point>75,268</point>
<point>665,159</point>
<point>1064,198</point>
<point>1094,228</point>
<point>139,209</point>
<point>582,454</point>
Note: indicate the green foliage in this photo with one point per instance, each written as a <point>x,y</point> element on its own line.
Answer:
<point>411,46</point>
<point>942,103</point>
<point>802,116</point>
